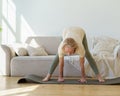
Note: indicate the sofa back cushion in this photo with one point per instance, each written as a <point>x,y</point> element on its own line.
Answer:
<point>49,43</point>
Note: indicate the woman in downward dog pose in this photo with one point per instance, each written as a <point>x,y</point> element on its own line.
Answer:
<point>74,42</point>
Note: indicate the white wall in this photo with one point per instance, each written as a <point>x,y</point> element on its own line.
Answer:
<point>49,17</point>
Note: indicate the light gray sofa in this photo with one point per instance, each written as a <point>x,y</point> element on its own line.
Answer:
<point>13,65</point>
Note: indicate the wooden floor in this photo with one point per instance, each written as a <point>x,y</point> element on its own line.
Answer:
<point>9,87</point>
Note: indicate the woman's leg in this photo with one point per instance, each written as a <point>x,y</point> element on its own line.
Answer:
<point>52,68</point>
<point>91,60</point>
<point>89,56</point>
<point>54,64</point>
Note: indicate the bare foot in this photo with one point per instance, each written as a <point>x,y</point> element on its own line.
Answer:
<point>100,79</point>
<point>47,78</point>
<point>83,80</point>
<point>60,79</point>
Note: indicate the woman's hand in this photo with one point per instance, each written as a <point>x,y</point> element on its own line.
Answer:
<point>82,66</point>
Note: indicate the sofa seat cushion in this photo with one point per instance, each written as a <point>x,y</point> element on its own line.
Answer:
<point>39,65</point>
<point>24,65</point>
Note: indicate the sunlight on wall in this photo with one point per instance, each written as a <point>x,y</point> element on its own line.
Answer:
<point>11,14</point>
<point>26,30</point>
<point>14,29</point>
<point>8,21</point>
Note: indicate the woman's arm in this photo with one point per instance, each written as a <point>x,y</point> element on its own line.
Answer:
<point>82,66</point>
<point>61,65</point>
<point>83,79</point>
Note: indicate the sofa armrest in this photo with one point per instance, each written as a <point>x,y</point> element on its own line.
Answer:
<point>6,53</point>
<point>116,52</point>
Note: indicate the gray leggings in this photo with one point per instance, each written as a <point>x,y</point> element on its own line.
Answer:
<point>87,55</point>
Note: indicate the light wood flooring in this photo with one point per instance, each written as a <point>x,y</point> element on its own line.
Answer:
<point>9,87</point>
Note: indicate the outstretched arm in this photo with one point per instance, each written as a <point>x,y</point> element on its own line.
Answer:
<point>61,65</point>
<point>83,79</point>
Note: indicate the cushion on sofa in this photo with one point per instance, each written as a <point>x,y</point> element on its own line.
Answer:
<point>35,49</point>
<point>104,45</point>
<point>49,43</point>
<point>21,51</point>
<point>19,48</point>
